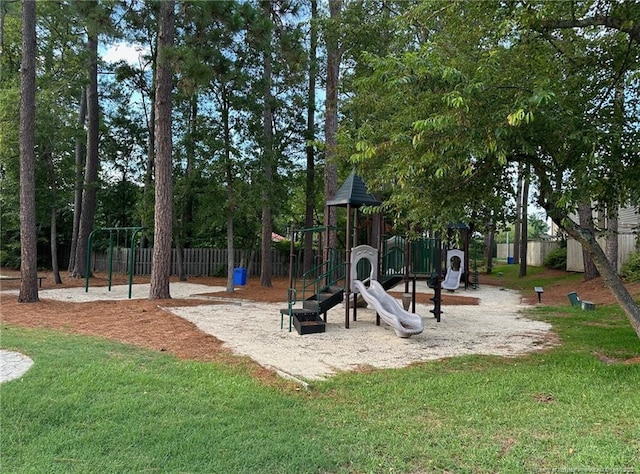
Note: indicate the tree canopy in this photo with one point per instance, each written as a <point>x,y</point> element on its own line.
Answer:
<point>443,122</point>
<point>438,104</point>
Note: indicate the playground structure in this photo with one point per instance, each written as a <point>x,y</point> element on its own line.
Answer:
<point>134,232</point>
<point>324,286</point>
<point>397,259</point>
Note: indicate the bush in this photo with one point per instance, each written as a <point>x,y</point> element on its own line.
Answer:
<point>557,259</point>
<point>283,246</point>
<point>220,271</point>
<point>630,271</point>
<point>10,257</point>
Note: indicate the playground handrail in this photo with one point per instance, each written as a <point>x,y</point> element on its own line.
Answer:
<point>328,277</point>
<point>292,298</point>
<point>393,258</point>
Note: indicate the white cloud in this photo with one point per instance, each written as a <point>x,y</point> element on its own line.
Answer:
<point>128,52</point>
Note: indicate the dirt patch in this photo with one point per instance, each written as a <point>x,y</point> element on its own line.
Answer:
<point>555,294</point>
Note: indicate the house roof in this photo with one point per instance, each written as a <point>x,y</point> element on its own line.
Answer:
<point>277,237</point>
<point>354,192</point>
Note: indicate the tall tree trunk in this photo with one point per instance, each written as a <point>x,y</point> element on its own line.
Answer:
<point>88,208</point>
<point>517,226</point>
<point>80,154</point>
<point>54,221</point>
<point>586,222</point>
<point>231,202</point>
<point>3,14</point>
<point>310,201</point>
<point>147,189</point>
<point>267,119</point>
<point>331,118</point>
<point>187,221</point>
<point>184,231</point>
<point>267,229</point>
<point>488,247</point>
<point>163,221</point>
<point>524,218</point>
<point>230,252</point>
<point>611,209</point>
<point>28,235</point>
<point>182,276</point>
<point>611,243</point>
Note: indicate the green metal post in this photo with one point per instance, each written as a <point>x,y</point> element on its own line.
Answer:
<point>88,268</point>
<point>136,230</point>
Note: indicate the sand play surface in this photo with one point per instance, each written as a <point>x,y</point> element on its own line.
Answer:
<point>251,328</point>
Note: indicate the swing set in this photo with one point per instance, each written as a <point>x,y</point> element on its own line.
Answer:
<point>134,232</point>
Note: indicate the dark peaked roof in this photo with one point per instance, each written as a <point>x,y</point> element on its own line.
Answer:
<point>353,192</point>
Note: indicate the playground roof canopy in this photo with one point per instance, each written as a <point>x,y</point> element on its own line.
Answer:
<point>353,192</point>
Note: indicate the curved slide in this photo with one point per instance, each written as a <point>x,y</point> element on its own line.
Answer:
<point>405,324</point>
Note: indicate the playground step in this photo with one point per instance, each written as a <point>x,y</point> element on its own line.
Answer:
<point>298,311</point>
<point>391,281</point>
<point>323,302</point>
<point>305,321</point>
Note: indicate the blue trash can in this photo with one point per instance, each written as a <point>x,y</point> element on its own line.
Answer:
<point>510,260</point>
<point>239,276</point>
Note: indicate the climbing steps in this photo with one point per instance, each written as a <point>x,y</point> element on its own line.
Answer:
<point>327,298</point>
<point>391,281</point>
<point>307,320</point>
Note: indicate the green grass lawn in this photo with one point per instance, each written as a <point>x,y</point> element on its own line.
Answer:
<point>91,405</point>
<point>536,276</point>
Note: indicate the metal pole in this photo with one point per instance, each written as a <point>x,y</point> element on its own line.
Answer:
<point>348,266</point>
<point>292,255</point>
<point>407,252</point>
<point>110,267</point>
<point>88,267</point>
<point>136,230</point>
<point>437,293</point>
<point>354,243</point>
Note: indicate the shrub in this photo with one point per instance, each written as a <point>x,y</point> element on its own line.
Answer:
<point>630,271</point>
<point>283,246</point>
<point>220,271</point>
<point>10,257</point>
<point>557,259</point>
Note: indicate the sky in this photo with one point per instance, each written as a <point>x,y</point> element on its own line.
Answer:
<point>130,53</point>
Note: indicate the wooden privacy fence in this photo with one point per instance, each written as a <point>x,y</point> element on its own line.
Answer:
<point>196,262</point>
<point>626,246</point>
<point>537,251</point>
